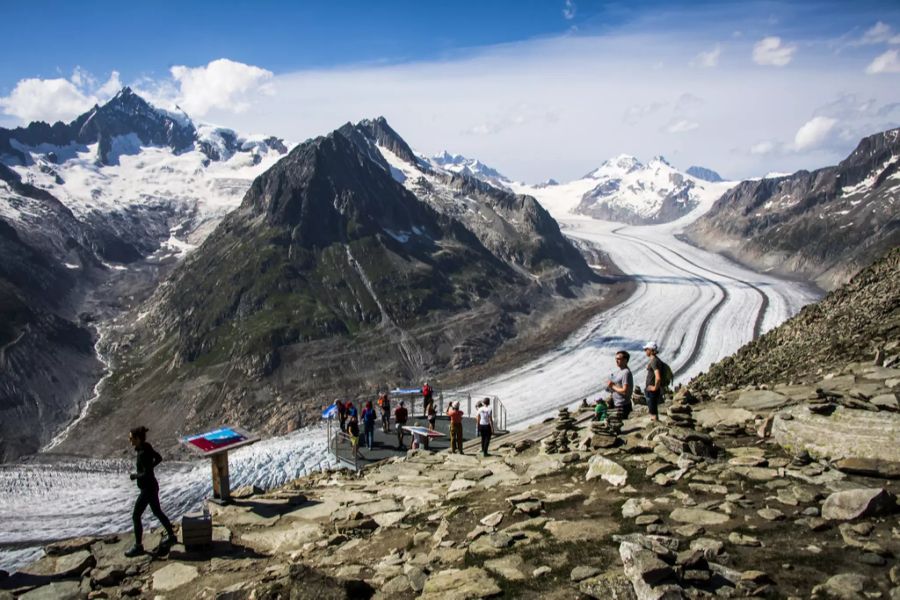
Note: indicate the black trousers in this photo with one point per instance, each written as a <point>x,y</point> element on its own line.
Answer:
<point>148,496</point>
<point>485,432</point>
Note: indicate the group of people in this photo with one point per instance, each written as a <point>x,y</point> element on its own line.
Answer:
<point>620,384</point>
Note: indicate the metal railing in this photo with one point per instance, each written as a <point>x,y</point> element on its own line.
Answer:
<point>340,446</point>
<point>467,404</point>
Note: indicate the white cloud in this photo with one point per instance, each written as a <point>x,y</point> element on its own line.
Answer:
<point>681,126</point>
<point>222,84</point>
<point>770,52</point>
<point>889,62</point>
<point>879,33</point>
<point>813,133</point>
<point>58,99</point>
<point>569,10</point>
<point>762,148</point>
<point>709,58</point>
<point>45,100</point>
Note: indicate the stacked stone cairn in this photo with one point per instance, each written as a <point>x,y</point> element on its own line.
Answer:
<point>564,433</point>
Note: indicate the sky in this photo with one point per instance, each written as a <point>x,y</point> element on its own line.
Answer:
<point>535,89</point>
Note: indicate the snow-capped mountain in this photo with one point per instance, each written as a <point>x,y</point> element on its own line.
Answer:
<point>124,183</point>
<point>629,191</point>
<point>704,174</point>
<point>457,163</point>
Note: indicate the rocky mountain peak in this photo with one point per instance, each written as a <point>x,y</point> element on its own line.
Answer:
<point>379,131</point>
<point>704,174</point>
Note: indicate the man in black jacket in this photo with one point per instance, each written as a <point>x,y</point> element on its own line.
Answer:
<point>146,460</point>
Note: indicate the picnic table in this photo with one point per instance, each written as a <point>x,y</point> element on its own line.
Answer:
<point>423,433</point>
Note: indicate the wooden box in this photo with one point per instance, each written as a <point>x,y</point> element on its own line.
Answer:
<point>196,529</point>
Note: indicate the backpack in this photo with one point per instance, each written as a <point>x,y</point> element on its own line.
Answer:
<point>665,372</point>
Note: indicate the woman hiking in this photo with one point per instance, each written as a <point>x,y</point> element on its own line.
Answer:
<point>146,460</point>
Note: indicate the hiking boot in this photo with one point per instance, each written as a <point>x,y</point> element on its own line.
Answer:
<point>135,550</point>
<point>169,540</point>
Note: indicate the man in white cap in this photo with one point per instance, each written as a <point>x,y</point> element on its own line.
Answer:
<point>653,386</point>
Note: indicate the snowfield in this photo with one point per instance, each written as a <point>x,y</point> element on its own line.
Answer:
<point>698,306</point>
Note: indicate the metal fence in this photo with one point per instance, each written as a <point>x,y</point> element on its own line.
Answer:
<point>467,403</point>
<point>340,446</point>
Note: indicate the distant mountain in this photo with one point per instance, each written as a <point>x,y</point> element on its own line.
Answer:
<point>124,184</point>
<point>350,264</point>
<point>822,226</point>
<point>704,174</point>
<point>459,164</point>
<point>626,190</point>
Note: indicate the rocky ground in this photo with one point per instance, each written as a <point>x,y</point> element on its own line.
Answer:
<point>784,492</point>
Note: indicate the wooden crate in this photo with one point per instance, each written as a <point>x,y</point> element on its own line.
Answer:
<point>196,529</point>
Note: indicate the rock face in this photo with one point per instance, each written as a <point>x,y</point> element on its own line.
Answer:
<point>788,224</point>
<point>857,504</point>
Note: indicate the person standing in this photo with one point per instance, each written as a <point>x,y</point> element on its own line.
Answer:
<point>431,415</point>
<point>368,420</point>
<point>485,424</point>
<point>400,416</point>
<point>353,430</point>
<point>456,427</point>
<point>384,403</point>
<point>621,385</point>
<point>653,386</point>
<point>342,414</point>
<point>146,459</point>
<point>427,398</point>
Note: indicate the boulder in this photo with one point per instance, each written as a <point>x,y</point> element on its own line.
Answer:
<point>510,567</point>
<point>651,578</point>
<point>869,467</point>
<point>59,567</point>
<point>858,504</point>
<point>58,590</point>
<point>721,415</point>
<point>698,516</point>
<point>846,586</point>
<point>460,584</point>
<point>846,433</point>
<point>70,546</point>
<point>760,400</point>
<point>612,585</point>
<point>173,576</point>
<point>609,471</point>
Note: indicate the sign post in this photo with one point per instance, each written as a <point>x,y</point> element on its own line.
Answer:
<point>216,444</point>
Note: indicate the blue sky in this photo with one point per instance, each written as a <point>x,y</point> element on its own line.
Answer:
<point>537,89</point>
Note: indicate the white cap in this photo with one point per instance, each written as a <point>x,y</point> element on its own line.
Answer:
<point>650,346</point>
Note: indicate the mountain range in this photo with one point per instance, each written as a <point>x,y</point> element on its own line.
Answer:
<point>821,226</point>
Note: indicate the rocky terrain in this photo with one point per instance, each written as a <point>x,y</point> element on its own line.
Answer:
<point>821,226</point>
<point>775,490</point>
<point>333,277</point>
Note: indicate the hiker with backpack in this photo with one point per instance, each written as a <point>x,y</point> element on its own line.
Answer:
<point>659,376</point>
<point>400,416</point>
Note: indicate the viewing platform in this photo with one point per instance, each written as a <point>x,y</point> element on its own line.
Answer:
<point>386,444</point>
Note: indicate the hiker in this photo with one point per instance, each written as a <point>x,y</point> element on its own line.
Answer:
<point>368,420</point>
<point>351,410</point>
<point>384,403</point>
<point>427,398</point>
<point>654,385</point>
<point>431,415</point>
<point>621,384</point>
<point>400,416</point>
<point>456,428</point>
<point>342,414</point>
<point>353,430</point>
<point>146,460</point>
<point>485,424</point>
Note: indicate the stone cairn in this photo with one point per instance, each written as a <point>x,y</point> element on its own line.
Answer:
<point>605,434</point>
<point>681,414</point>
<point>558,442</point>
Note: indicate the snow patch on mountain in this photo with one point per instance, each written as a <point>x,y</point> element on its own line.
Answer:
<point>457,163</point>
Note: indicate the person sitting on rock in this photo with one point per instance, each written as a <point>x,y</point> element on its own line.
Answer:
<point>400,416</point>
<point>621,385</point>
<point>600,410</point>
<point>146,459</point>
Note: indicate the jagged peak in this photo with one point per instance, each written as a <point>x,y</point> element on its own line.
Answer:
<point>659,159</point>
